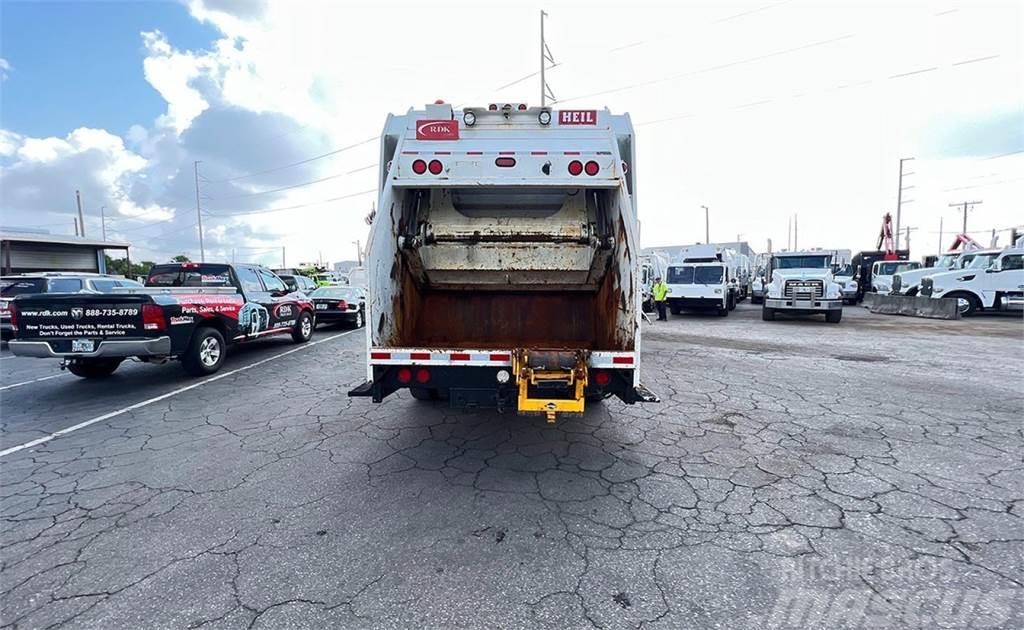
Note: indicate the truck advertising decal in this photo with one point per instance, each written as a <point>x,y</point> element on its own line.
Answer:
<point>577,117</point>
<point>437,130</point>
<point>98,321</point>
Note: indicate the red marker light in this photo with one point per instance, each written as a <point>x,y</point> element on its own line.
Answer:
<point>419,167</point>
<point>492,107</point>
<point>522,107</point>
<point>436,167</point>
<point>602,378</point>
<point>575,167</point>
<point>505,162</point>
<point>423,375</point>
<point>404,375</point>
<point>592,168</point>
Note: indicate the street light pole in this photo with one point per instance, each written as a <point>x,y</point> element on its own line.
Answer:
<point>103,221</point>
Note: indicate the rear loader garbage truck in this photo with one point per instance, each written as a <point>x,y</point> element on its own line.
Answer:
<point>503,264</point>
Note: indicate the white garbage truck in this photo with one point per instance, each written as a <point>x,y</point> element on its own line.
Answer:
<point>802,284</point>
<point>704,279</point>
<point>503,263</point>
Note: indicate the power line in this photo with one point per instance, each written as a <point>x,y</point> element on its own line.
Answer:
<point>283,188</point>
<point>299,163</point>
<point>721,66</point>
<point>295,207</point>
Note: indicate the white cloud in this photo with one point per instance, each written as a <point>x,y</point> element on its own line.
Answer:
<point>792,109</point>
<point>5,68</point>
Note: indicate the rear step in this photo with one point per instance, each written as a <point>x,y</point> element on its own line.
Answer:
<point>550,372</point>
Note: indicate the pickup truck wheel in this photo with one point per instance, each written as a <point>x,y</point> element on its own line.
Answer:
<point>723,311</point>
<point>303,328</point>
<point>205,354</point>
<point>768,314</point>
<point>732,301</point>
<point>93,368</point>
<point>360,320</point>
<point>833,317</point>
<point>675,310</point>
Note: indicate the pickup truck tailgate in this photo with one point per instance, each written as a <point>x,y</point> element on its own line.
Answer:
<point>65,322</point>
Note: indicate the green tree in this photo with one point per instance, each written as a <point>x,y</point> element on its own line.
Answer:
<point>180,258</point>
<point>119,266</point>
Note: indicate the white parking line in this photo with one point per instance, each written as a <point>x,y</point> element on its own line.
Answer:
<point>113,414</point>
<point>35,380</point>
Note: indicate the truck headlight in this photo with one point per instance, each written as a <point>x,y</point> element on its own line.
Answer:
<point>719,291</point>
<point>544,117</point>
<point>469,118</point>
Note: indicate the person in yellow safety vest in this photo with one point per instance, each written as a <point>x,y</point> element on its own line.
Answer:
<point>660,291</point>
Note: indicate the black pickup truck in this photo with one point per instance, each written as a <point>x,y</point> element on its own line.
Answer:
<point>188,311</point>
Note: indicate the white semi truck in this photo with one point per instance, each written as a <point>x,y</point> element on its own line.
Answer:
<point>802,284</point>
<point>705,279</point>
<point>992,281</point>
<point>504,260</point>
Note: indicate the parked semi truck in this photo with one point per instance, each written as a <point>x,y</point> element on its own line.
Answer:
<point>503,261</point>
<point>802,284</point>
<point>992,281</point>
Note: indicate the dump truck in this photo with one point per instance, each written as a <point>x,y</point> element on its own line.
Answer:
<point>503,263</point>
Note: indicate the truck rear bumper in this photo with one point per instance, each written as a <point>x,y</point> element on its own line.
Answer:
<point>697,302</point>
<point>803,306</point>
<point>160,346</point>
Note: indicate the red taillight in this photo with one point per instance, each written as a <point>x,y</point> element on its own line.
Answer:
<point>505,162</point>
<point>522,107</point>
<point>602,378</point>
<point>419,167</point>
<point>404,375</point>
<point>575,167</point>
<point>423,375</point>
<point>342,305</point>
<point>592,168</point>
<point>153,317</point>
<point>436,167</point>
<point>12,310</point>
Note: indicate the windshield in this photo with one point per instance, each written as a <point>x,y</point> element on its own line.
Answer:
<point>680,275</point>
<point>104,285</point>
<point>192,275</point>
<point>982,261</point>
<point>707,275</point>
<point>338,293</point>
<point>844,270</point>
<point>801,262</point>
<point>946,260</point>
<point>9,287</point>
<point>890,268</point>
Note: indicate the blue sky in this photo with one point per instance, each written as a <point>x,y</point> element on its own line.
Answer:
<point>78,64</point>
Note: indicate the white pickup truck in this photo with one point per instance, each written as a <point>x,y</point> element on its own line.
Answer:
<point>993,281</point>
<point>802,284</point>
<point>503,262</point>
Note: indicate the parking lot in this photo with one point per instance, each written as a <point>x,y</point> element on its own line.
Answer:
<point>796,474</point>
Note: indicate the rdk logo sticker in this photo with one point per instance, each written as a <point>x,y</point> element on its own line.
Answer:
<point>284,310</point>
<point>76,313</point>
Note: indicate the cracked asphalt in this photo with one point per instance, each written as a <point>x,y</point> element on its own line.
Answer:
<point>796,475</point>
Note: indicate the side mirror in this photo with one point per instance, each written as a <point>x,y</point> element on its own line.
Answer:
<point>993,270</point>
<point>279,293</point>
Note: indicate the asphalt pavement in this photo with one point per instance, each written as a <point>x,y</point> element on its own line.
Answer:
<point>796,474</point>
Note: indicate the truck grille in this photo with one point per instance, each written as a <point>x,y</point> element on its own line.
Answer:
<point>804,289</point>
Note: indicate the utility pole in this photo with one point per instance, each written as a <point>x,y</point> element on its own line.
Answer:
<point>283,263</point>
<point>545,57</point>
<point>199,215</point>
<point>796,245</point>
<point>899,199</point>
<point>940,236</point>
<point>789,234</point>
<point>76,227</point>
<point>908,230</point>
<point>359,251</point>
<point>707,227</point>
<point>103,221</point>
<point>964,206</point>
<point>81,219</point>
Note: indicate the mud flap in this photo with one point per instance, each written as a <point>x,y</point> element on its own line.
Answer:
<point>365,389</point>
<point>643,394</point>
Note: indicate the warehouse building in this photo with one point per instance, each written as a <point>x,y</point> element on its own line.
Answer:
<point>30,252</point>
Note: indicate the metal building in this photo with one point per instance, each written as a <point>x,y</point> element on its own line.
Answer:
<point>27,253</point>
